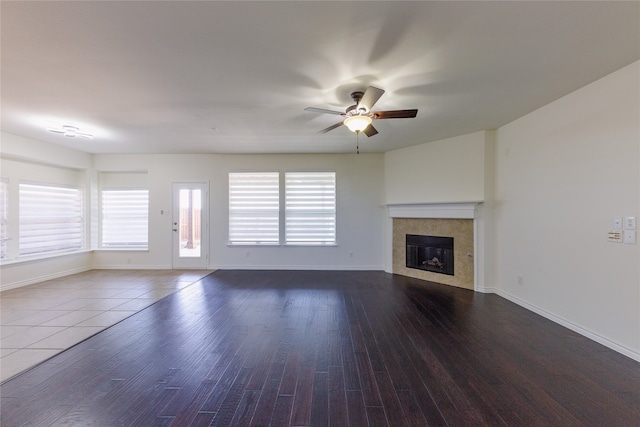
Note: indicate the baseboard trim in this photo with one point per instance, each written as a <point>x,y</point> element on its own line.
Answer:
<point>485,290</point>
<point>569,325</point>
<point>131,267</point>
<point>299,267</point>
<point>38,279</point>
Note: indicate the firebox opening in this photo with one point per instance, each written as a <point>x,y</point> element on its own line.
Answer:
<point>430,253</point>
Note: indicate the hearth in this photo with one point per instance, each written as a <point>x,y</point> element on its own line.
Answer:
<point>430,253</point>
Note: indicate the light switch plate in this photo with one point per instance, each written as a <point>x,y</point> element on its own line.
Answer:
<point>630,237</point>
<point>629,222</point>
<point>617,223</point>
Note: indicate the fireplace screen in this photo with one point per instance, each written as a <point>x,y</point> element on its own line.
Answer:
<point>430,253</point>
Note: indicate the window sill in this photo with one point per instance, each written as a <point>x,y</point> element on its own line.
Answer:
<point>121,249</point>
<point>312,245</point>
<point>230,244</point>
<point>36,258</point>
<point>304,245</point>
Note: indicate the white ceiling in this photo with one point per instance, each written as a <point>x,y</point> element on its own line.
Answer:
<point>235,77</point>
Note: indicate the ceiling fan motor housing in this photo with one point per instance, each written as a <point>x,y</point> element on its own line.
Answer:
<point>357,96</point>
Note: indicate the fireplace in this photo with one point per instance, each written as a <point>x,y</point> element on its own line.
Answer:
<point>455,220</point>
<point>430,253</point>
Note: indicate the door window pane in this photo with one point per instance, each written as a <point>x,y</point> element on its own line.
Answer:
<point>189,226</point>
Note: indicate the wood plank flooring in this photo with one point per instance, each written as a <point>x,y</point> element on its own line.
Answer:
<point>328,348</point>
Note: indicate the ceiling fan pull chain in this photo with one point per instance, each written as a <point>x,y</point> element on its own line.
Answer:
<point>358,142</point>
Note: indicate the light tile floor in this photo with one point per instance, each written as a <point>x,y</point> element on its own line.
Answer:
<point>41,320</point>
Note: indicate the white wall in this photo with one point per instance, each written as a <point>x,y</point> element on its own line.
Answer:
<point>30,160</point>
<point>25,273</point>
<point>31,150</point>
<point>485,222</point>
<point>449,170</point>
<point>562,173</point>
<point>360,216</point>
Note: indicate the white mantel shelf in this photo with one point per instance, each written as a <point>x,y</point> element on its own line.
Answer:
<point>449,210</point>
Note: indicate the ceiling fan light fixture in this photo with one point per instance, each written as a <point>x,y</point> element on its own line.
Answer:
<point>70,132</point>
<point>359,117</point>
<point>357,123</point>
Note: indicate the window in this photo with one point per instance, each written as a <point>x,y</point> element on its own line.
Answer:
<point>310,208</point>
<point>254,208</point>
<point>51,219</point>
<point>125,218</point>
<point>4,235</point>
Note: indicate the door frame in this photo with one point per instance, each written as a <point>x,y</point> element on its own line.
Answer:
<point>196,263</point>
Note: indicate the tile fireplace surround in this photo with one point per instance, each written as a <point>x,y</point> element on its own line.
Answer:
<point>455,220</point>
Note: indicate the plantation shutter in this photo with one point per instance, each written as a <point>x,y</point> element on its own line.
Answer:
<point>125,218</point>
<point>310,208</point>
<point>254,208</point>
<point>51,219</point>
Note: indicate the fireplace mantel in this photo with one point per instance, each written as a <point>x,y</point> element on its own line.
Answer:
<point>473,210</point>
<point>448,210</point>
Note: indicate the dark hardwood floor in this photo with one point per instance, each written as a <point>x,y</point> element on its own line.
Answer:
<point>327,348</point>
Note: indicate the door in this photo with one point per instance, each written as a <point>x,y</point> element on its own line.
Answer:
<point>190,225</point>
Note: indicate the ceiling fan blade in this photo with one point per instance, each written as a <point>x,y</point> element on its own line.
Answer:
<point>370,130</point>
<point>322,110</point>
<point>370,97</point>
<point>396,114</point>
<point>332,127</point>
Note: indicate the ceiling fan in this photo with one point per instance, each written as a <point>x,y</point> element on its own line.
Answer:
<point>359,117</point>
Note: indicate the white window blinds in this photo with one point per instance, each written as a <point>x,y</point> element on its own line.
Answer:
<point>4,236</point>
<point>125,218</point>
<point>254,208</point>
<point>310,208</point>
<point>51,219</point>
